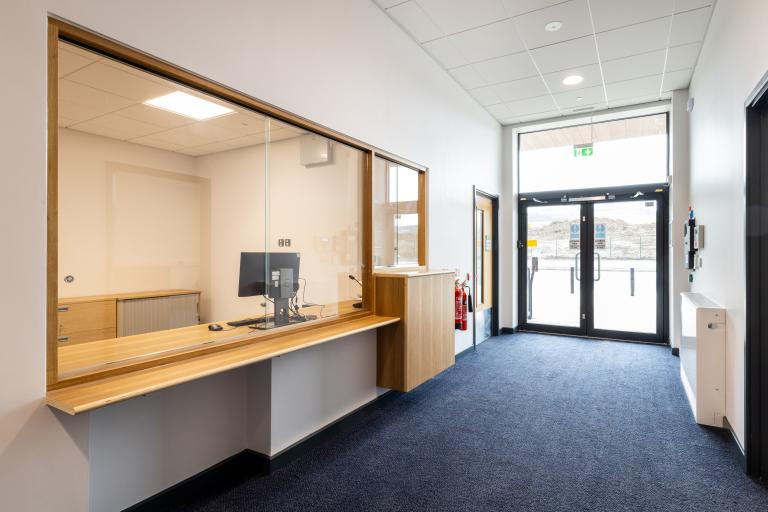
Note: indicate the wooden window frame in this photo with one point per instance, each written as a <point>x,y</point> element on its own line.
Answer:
<point>421,210</point>
<point>59,30</point>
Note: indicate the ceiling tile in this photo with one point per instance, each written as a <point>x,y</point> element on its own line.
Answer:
<point>611,14</point>
<point>81,102</point>
<point>156,116</point>
<point>636,66</point>
<point>65,121</point>
<point>552,114</point>
<point>414,20</point>
<point>687,5</point>
<point>589,96</point>
<point>116,81</point>
<point>647,86</point>
<point>640,38</point>
<point>531,106</point>
<point>518,7</point>
<point>689,27</point>
<point>521,89</point>
<point>577,52</point>
<point>238,125</point>
<point>499,111</point>
<point>486,95</point>
<point>636,100</point>
<point>287,133</point>
<point>489,41</point>
<point>457,15</point>
<point>591,75</point>
<point>389,3</point>
<point>192,135</point>
<point>151,141</point>
<point>445,53</point>
<point>70,62</point>
<point>675,80</point>
<point>253,140</point>
<point>207,149</point>
<point>683,57</point>
<point>468,77</point>
<point>506,69</point>
<point>574,15</point>
<point>116,127</point>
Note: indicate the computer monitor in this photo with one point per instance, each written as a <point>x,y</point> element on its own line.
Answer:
<point>275,275</point>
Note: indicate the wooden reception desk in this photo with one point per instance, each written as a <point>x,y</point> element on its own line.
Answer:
<point>415,341</point>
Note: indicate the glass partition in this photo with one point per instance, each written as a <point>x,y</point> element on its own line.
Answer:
<point>594,155</point>
<point>395,214</point>
<point>187,222</point>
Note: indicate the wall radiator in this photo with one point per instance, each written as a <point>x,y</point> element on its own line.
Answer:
<point>136,316</point>
<point>702,357</point>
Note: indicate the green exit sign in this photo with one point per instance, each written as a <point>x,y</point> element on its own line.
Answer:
<point>583,150</point>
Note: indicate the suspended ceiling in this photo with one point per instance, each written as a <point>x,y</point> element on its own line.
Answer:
<point>627,51</point>
<point>105,97</point>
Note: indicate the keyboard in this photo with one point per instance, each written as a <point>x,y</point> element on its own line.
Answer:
<point>247,321</point>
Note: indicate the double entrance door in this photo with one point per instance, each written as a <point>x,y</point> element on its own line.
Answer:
<point>595,264</point>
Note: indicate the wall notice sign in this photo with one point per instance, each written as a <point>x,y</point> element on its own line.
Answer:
<point>600,236</point>
<point>573,242</point>
<point>533,243</point>
<point>583,150</point>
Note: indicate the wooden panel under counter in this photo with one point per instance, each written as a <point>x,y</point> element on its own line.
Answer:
<point>422,344</point>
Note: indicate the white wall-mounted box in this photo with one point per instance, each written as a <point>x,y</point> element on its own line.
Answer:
<point>702,357</point>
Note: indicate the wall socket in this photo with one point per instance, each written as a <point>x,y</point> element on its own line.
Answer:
<point>283,242</point>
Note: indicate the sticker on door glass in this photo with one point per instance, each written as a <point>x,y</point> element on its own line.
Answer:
<point>533,243</point>
<point>600,232</point>
<point>573,243</point>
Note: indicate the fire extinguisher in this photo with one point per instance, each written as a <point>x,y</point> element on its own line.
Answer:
<point>461,304</point>
<point>460,296</point>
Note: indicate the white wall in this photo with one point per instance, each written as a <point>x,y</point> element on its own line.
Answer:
<point>679,171</point>
<point>732,61</point>
<point>342,63</point>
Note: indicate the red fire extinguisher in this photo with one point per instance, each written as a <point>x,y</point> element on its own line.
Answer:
<point>461,302</point>
<point>460,296</point>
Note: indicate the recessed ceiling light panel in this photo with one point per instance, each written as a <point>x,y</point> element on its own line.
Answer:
<point>189,106</point>
<point>573,80</point>
<point>553,26</point>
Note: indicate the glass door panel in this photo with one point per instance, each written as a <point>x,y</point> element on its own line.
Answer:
<point>553,252</point>
<point>625,266</point>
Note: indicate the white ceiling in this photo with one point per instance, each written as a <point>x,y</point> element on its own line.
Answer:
<point>105,97</point>
<point>628,51</point>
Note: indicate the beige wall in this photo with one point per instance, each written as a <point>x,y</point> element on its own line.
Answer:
<point>131,218</point>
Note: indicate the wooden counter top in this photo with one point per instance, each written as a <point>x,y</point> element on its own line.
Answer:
<point>109,356</point>
<point>126,296</point>
<point>91,395</point>
<point>413,272</point>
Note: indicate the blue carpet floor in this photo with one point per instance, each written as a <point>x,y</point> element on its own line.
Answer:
<point>527,423</point>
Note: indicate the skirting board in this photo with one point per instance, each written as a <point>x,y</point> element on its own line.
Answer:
<point>508,330</point>
<point>250,464</point>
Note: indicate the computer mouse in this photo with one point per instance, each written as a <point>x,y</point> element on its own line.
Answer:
<point>215,327</point>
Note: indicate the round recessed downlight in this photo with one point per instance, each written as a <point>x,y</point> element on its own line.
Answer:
<point>553,26</point>
<point>573,80</point>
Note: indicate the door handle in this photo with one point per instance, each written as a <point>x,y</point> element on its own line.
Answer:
<point>576,265</point>
<point>598,266</point>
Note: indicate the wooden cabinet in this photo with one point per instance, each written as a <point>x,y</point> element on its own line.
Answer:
<point>87,321</point>
<point>100,317</point>
<point>422,344</point>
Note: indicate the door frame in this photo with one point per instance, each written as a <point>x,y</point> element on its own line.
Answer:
<point>494,198</point>
<point>756,282</point>
<point>586,198</point>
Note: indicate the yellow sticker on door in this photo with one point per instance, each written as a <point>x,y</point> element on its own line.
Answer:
<point>533,243</point>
